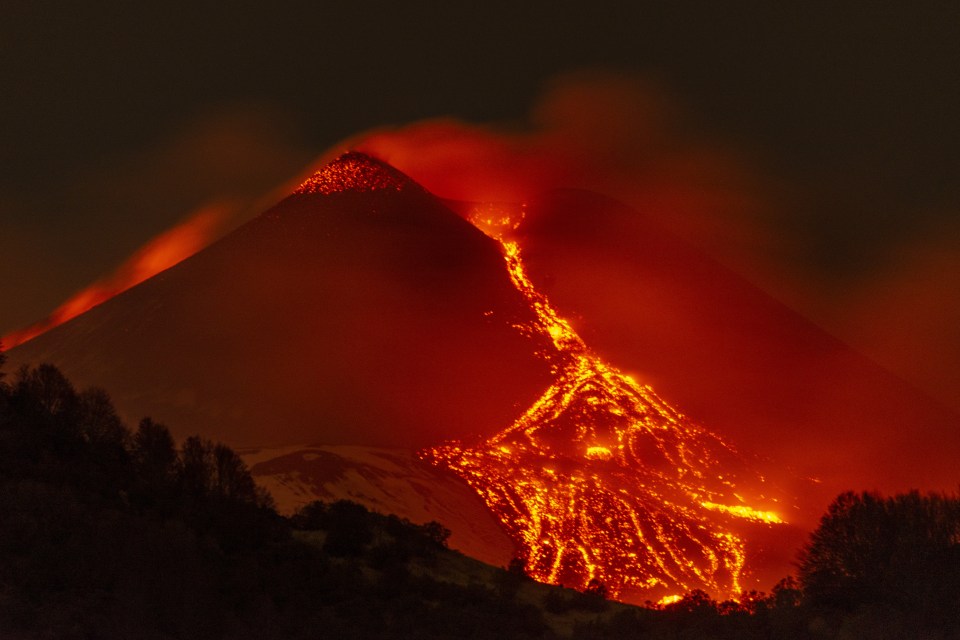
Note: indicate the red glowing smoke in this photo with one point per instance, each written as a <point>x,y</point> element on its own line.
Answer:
<point>610,134</point>
<point>162,252</point>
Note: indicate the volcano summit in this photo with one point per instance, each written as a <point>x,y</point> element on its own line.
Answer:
<point>358,310</point>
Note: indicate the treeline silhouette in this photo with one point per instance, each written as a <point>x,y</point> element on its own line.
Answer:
<point>876,568</point>
<point>111,533</point>
<point>107,532</point>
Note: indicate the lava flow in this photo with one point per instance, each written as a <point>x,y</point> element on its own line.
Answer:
<point>602,480</point>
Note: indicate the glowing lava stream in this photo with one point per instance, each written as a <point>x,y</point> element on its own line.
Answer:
<point>603,480</point>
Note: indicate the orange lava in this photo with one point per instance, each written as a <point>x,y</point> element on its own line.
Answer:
<point>353,172</point>
<point>161,253</point>
<point>602,479</point>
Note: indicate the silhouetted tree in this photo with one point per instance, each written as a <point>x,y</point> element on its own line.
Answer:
<point>212,470</point>
<point>435,533</point>
<point>46,391</point>
<point>156,465</point>
<point>44,429</point>
<point>517,566</point>
<point>901,552</point>
<point>231,478</point>
<point>786,594</point>
<point>348,529</point>
<point>596,588</point>
<point>154,451</point>
<point>781,613</point>
<point>696,600</point>
<point>196,467</point>
<point>310,517</point>
<point>98,420</point>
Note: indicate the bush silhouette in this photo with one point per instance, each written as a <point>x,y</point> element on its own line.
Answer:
<point>899,553</point>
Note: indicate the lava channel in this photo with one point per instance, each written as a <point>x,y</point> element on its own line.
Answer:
<point>601,479</point>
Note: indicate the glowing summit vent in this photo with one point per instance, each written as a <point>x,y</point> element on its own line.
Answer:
<point>354,172</point>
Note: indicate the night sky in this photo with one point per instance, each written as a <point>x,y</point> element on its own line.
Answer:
<point>836,125</point>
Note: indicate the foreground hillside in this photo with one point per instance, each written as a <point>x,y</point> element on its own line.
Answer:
<point>111,533</point>
<point>108,533</point>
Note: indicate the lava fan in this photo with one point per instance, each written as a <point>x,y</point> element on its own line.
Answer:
<point>602,480</point>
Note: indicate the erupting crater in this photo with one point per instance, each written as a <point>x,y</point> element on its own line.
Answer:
<point>601,479</point>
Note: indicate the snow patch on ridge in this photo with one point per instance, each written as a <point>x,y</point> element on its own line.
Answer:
<point>385,480</point>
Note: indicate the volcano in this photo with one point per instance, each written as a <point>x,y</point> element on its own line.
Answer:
<point>518,349</point>
<point>358,310</point>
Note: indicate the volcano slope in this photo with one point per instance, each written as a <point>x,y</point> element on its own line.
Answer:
<point>358,310</point>
<point>732,357</point>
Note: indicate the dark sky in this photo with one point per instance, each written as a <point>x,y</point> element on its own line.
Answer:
<point>120,119</point>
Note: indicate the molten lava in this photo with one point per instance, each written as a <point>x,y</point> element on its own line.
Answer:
<point>601,479</point>
<point>353,171</point>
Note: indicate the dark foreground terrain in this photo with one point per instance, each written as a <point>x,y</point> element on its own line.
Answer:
<point>107,532</point>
